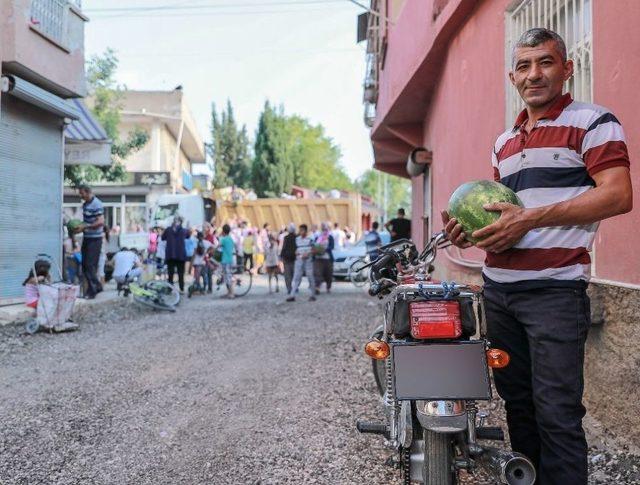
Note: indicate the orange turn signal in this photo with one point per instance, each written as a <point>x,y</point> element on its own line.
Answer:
<point>377,349</point>
<point>497,359</point>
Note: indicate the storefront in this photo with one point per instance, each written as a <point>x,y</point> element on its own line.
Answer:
<point>31,166</point>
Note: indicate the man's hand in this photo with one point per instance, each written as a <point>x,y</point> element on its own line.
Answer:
<point>514,223</point>
<point>454,233</point>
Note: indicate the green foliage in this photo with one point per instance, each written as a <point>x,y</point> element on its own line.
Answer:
<point>290,150</point>
<point>231,158</point>
<point>315,158</point>
<point>272,171</point>
<point>372,183</point>
<point>106,95</point>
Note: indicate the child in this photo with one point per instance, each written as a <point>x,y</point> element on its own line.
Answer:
<point>31,294</point>
<point>271,260</point>
<point>197,263</point>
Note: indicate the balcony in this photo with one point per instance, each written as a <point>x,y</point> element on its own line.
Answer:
<point>43,43</point>
<point>50,18</point>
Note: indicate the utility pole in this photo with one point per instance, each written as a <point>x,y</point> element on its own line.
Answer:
<point>386,195</point>
<point>379,194</point>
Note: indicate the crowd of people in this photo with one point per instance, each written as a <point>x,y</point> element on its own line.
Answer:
<point>290,253</point>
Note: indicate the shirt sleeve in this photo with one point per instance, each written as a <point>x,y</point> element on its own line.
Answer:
<point>98,209</point>
<point>604,145</point>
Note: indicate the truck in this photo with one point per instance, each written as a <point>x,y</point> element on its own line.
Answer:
<point>194,209</point>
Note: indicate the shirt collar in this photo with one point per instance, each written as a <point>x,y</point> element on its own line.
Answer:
<point>552,113</point>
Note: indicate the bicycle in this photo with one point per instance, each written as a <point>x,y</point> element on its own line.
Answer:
<point>241,279</point>
<point>156,294</point>
<point>358,272</point>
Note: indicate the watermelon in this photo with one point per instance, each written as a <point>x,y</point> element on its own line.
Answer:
<point>467,201</point>
<point>73,225</point>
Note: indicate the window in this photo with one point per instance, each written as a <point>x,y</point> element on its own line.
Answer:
<point>571,19</point>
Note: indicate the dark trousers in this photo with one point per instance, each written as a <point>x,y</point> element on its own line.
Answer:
<point>91,247</point>
<point>544,331</point>
<point>288,274</point>
<point>248,260</point>
<point>323,269</point>
<point>176,266</point>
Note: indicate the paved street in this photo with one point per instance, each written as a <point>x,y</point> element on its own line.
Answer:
<point>222,392</point>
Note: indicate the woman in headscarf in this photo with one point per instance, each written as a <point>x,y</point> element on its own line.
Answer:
<point>175,252</point>
<point>323,258</point>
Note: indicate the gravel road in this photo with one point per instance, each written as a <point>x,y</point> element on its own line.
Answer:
<point>252,391</point>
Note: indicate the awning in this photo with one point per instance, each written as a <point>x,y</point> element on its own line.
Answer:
<point>85,140</point>
<point>37,96</point>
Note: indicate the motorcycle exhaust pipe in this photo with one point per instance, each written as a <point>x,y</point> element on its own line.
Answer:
<point>509,467</point>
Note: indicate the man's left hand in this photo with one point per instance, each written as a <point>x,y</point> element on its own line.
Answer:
<point>514,223</point>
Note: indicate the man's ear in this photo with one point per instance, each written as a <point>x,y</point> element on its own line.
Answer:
<point>511,78</point>
<point>568,69</point>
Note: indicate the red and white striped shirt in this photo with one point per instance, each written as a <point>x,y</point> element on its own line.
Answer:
<point>552,163</point>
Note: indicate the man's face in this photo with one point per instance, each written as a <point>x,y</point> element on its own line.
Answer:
<point>303,231</point>
<point>539,73</point>
<point>84,195</point>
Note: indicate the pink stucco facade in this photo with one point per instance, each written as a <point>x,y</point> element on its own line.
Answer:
<point>443,87</point>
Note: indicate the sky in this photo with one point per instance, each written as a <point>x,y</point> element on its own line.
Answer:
<point>299,53</point>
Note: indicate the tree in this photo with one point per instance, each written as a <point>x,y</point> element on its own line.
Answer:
<point>290,150</point>
<point>315,158</point>
<point>106,95</point>
<point>272,171</point>
<point>231,157</point>
<point>372,183</point>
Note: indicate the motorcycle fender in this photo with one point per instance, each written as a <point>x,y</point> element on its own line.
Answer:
<point>377,333</point>
<point>405,425</point>
<point>442,416</point>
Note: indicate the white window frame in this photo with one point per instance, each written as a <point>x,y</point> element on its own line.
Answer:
<point>576,30</point>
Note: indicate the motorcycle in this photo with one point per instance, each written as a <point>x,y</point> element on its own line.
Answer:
<point>431,363</point>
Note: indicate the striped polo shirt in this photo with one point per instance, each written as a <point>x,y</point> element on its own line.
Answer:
<point>91,210</point>
<point>552,163</point>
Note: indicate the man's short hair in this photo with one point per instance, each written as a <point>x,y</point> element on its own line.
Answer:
<point>303,226</point>
<point>84,187</point>
<point>375,225</point>
<point>226,229</point>
<point>536,36</point>
<point>401,211</point>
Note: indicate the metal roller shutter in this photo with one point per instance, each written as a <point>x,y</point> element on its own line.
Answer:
<point>30,190</point>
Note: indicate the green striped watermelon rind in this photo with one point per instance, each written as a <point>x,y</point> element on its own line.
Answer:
<point>467,201</point>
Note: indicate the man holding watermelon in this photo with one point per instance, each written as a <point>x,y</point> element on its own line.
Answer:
<point>568,163</point>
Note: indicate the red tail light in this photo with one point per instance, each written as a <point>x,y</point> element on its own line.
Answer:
<point>435,319</point>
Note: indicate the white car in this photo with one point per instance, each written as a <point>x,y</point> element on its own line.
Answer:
<point>343,258</point>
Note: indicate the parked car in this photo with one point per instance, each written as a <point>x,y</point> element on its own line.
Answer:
<point>343,258</point>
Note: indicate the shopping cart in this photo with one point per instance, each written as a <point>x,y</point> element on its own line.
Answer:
<point>55,302</point>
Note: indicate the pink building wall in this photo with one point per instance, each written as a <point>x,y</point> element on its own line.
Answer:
<point>465,107</point>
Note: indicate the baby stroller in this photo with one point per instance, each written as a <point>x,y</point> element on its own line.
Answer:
<point>55,302</point>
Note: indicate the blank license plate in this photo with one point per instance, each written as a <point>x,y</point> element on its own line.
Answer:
<point>441,371</point>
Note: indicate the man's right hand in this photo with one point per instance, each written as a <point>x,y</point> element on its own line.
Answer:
<point>454,233</point>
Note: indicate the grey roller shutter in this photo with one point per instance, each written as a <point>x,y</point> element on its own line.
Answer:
<point>30,190</point>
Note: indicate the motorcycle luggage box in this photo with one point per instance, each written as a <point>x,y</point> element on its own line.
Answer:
<point>435,371</point>
<point>402,324</point>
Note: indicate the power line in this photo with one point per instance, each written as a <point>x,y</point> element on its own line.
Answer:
<point>245,13</point>
<point>208,7</point>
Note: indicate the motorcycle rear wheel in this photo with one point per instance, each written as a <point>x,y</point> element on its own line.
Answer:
<point>438,468</point>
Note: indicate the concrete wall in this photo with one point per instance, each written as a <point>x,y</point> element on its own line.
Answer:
<point>616,51</point>
<point>57,67</point>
